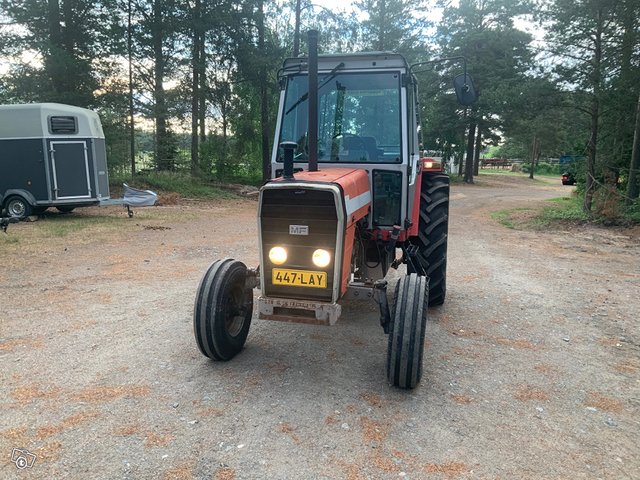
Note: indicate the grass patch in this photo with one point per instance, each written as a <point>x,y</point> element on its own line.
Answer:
<point>544,178</point>
<point>510,217</point>
<point>502,217</point>
<point>566,209</point>
<point>8,239</point>
<point>556,210</point>
<point>63,225</point>
<point>500,171</point>
<point>561,200</point>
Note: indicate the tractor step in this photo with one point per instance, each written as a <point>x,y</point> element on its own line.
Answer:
<point>298,311</point>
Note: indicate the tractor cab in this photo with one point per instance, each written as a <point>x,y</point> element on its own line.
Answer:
<point>366,120</point>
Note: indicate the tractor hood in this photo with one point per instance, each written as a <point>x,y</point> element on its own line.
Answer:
<point>353,182</point>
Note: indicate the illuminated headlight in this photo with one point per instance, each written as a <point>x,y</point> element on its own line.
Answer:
<point>321,258</point>
<point>278,255</point>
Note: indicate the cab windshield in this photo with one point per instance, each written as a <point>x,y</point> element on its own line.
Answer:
<point>358,117</point>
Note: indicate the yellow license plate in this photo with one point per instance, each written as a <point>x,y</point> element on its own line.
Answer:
<point>299,278</point>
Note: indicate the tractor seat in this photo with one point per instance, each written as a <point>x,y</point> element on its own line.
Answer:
<point>371,146</point>
<point>355,148</point>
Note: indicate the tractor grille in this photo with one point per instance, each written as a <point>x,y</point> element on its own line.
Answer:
<point>316,209</point>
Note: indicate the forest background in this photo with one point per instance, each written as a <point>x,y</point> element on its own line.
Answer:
<point>187,89</point>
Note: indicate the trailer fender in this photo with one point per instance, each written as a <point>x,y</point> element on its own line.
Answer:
<point>28,196</point>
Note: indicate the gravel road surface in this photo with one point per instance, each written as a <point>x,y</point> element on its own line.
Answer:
<point>530,369</point>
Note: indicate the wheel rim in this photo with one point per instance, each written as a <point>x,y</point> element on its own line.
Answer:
<point>235,311</point>
<point>16,208</point>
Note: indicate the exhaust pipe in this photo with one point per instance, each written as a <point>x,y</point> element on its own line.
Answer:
<point>288,147</point>
<point>313,100</point>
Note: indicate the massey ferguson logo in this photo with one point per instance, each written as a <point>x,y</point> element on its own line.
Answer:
<point>298,230</point>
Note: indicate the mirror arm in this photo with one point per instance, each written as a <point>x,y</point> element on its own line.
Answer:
<point>441,60</point>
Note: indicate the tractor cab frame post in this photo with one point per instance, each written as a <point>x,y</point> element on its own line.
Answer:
<point>313,100</point>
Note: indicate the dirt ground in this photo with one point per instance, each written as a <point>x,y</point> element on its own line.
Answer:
<point>530,370</point>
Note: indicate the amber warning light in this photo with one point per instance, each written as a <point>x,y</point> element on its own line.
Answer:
<point>431,164</point>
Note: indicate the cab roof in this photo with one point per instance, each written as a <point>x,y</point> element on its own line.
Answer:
<point>352,61</point>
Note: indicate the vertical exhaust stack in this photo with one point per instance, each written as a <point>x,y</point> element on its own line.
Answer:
<point>288,148</point>
<point>313,100</point>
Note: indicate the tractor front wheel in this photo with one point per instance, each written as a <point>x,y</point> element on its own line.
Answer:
<point>406,333</point>
<point>433,233</point>
<point>223,309</point>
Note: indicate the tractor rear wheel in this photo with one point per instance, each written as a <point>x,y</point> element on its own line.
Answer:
<point>223,309</point>
<point>406,333</point>
<point>433,233</point>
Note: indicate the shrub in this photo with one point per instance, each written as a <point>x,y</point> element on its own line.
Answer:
<point>542,168</point>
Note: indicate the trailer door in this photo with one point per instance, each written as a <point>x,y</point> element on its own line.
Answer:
<point>70,166</point>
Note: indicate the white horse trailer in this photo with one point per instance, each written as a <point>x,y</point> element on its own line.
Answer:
<point>51,155</point>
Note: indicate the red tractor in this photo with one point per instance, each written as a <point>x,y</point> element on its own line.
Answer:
<point>349,190</point>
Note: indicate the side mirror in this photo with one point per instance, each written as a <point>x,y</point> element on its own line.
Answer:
<point>465,89</point>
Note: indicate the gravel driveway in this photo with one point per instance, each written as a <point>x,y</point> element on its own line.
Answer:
<point>531,366</point>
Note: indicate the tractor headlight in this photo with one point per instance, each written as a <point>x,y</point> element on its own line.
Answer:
<point>321,258</point>
<point>278,255</point>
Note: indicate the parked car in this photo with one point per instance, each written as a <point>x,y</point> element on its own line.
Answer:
<point>568,178</point>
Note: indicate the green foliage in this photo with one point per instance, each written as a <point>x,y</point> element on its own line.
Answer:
<point>76,53</point>
<point>74,39</point>
<point>632,212</point>
<point>502,217</point>
<point>565,209</point>
<point>597,42</point>
<point>392,25</point>
<point>569,209</point>
<point>542,168</point>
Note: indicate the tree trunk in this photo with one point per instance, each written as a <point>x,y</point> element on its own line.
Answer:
<point>195,87</point>
<point>468,165</point>
<point>163,158</point>
<point>476,154</point>
<point>382,5</point>
<point>633,188</point>
<point>534,148</point>
<point>459,154</point>
<point>132,128</point>
<point>296,33</point>
<point>55,67</point>
<point>264,106</point>
<point>592,146</point>
<point>202,107</point>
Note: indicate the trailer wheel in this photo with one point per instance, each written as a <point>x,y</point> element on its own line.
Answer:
<point>223,309</point>
<point>17,207</point>
<point>433,234</point>
<point>406,333</point>
<point>65,209</point>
